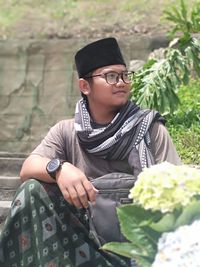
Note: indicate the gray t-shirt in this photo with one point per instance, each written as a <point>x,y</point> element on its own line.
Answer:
<point>61,142</point>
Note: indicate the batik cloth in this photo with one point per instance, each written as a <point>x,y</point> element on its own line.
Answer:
<point>43,230</point>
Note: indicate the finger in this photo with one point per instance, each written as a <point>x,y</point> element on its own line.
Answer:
<point>67,197</point>
<point>74,197</point>
<point>65,194</point>
<point>91,190</point>
<point>95,189</point>
<point>82,194</point>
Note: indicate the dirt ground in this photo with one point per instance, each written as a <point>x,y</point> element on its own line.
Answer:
<point>33,26</point>
<point>49,30</point>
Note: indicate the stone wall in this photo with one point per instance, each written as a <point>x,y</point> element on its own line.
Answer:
<point>38,85</point>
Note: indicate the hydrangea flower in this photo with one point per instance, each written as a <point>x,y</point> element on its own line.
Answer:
<point>180,248</point>
<point>165,187</point>
<point>173,191</point>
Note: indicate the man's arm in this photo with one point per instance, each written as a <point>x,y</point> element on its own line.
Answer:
<point>73,183</point>
<point>163,148</point>
<point>35,166</point>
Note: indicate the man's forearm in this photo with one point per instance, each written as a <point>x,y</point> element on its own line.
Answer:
<point>35,167</point>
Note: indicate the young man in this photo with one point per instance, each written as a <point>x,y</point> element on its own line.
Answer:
<point>48,225</point>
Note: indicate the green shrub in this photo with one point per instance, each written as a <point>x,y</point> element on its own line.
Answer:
<point>184,19</point>
<point>156,84</point>
<point>184,125</point>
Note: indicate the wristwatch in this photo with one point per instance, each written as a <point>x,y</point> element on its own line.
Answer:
<point>53,166</point>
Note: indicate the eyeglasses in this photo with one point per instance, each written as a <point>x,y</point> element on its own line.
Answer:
<point>113,77</point>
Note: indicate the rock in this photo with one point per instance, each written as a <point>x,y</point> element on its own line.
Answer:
<point>136,64</point>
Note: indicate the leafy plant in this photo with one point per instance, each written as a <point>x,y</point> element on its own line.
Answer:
<point>156,84</point>
<point>185,21</point>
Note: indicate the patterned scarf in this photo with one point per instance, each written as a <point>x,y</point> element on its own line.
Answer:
<point>125,135</point>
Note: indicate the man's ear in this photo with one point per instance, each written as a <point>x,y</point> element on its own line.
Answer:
<point>84,86</point>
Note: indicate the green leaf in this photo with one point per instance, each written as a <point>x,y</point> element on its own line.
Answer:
<point>189,213</point>
<point>165,224</point>
<point>183,10</point>
<point>129,250</point>
<point>130,217</point>
<point>124,249</point>
<point>134,221</point>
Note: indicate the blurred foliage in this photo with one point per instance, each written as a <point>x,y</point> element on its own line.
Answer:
<point>156,84</point>
<point>185,19</point>
<point>171,85</point>
<point>9,13</point>
<point>184,125</point>
<point>85,15</point>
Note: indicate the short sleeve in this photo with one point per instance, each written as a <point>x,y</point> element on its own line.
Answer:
<point>163,148</point>
<point>54,144</point>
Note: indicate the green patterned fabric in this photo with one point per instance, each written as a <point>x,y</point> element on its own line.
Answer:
<point>43,230</point>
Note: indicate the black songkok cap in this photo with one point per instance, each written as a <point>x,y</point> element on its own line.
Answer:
<point>98,54</point>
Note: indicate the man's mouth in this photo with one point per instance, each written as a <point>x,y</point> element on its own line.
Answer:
<point>120,92</point>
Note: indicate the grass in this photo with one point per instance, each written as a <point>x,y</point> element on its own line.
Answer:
<point>9,14</point>
<point>84,15</point>
<point>184,126</point>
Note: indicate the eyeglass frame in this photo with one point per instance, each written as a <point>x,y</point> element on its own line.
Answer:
<point>119,76</point>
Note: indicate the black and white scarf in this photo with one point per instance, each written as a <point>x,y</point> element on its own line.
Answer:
<point>126,134</point>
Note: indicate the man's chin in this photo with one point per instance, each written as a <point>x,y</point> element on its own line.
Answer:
<point>120,104</point>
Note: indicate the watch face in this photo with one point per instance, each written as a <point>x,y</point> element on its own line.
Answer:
<point>53,165</point>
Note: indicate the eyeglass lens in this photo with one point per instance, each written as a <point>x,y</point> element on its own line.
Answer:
<point>113,77</point>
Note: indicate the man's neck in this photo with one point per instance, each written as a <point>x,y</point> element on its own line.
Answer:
<point>102,115</point>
